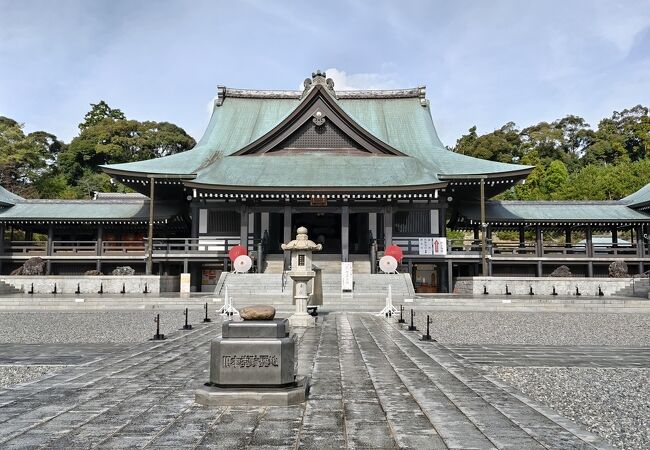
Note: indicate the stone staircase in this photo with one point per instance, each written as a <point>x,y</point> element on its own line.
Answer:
<point>640,288</point>
<point>8,289</point>
<point>369,293</point>
<point>330,264</point>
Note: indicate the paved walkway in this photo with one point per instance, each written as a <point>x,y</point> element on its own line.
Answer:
<point>55,354</point>
<point>374,386</point>
<point>554,356</point>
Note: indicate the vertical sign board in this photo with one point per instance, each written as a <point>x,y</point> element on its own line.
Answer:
<point>432,246</point>
<point>346,276</point>
<point>185,283</point>
<point>425,246</point>
<point>440,246</point>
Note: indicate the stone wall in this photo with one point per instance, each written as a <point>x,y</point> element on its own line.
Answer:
<point>110,284</point>
<point>541,286</point>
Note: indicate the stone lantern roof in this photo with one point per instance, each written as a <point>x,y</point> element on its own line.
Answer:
<point>302,242</point>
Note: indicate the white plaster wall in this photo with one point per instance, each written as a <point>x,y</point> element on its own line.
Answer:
<point>541,286</point>
<point>67,284</point>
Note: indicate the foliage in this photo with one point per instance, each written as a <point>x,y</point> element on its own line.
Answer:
<point>572,161</point>
<point>39,165</point>
<point>24,159</point>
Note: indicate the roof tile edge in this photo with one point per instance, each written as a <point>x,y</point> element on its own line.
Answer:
<point>416,92</point>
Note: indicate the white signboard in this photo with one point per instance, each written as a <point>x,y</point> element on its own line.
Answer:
<point>346,276</point>
<point>185,283</point>
<point>425,246</point>
<point>439,246</point>
<point>432,246</point>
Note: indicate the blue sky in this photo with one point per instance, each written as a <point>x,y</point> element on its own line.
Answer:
<point>484,62</point>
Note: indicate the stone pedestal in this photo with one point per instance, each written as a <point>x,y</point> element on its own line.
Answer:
<point>253,363</point>
<point>301,273</point>
<point>301,318</point>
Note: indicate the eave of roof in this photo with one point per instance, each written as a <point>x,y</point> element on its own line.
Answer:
<point>104,210</point>
<point>638,199</point>
<point>553,212</point>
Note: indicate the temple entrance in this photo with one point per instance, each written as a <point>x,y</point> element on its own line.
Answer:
<point>323,228</point>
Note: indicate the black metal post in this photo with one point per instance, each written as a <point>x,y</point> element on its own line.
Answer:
<point>123,291</point>
<point>158,336</point>
<point>507,291</point>
<point>530,290</point>
<point>578,291</point>
<point>485,291</point>
<point>207,319</point>
<point>187,326</point>
<point>146,288</point>
<point>600,291</point>
<point>554,291</point>
<point>412,327</point>
<point>54,291</point>
<point>78,291</point>
<point>101,288</point>
<point>31,289</point>
<point>427,337</point>
<point>401,314</point>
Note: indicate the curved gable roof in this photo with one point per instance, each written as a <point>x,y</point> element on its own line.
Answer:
<point>401,119</point>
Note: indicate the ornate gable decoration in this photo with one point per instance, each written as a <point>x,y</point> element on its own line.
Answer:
<point>318,124</point>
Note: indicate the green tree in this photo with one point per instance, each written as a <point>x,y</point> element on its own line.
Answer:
<point>25,159</point>
<point>503,145</point>
<point>99,112</point>
<point>111,140</point>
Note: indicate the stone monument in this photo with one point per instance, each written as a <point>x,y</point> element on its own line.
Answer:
<point>253,363</point>
<point>301,273</point>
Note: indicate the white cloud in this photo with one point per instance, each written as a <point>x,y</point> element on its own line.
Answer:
<point>358,81</point>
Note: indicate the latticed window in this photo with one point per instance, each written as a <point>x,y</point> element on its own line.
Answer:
<point>323,137</point>
<point>224,222</point>
<point>412,222</point>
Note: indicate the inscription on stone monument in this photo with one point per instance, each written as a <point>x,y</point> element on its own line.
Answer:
<point>249,361</point>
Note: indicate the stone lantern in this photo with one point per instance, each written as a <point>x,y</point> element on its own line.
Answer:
<point>301,273</point>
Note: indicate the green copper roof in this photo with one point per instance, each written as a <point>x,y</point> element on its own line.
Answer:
<point>84,210</point>
<point>553,212</point>
<point>638,199</point>
<point>312,170</point>
<point>403,123</point>
<point>8,198</point>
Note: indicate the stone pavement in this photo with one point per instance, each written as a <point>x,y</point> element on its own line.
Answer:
<point>374,386</point>
<point>55,354</point>
<point>554,356</point>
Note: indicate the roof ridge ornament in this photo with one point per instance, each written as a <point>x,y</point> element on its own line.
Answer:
<point>318,77</point>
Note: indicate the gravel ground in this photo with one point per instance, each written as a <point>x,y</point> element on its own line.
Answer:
<point>94,327</point>
<point>10,375</point>
<point>614,403</point>
<point>536,328</point>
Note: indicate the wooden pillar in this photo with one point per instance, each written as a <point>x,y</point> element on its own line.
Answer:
<point>539,269</point>
<point>450,276</point>
<point>614,231</point>
<point>388,226</point>
<point>2,242</point>
<point>639,241</point>
<point>243,227</point>
<point>522,237</point>
<point>100,240</point>
<point>590,269</point>
<point>194,230</point>
<point>590,243</point>
<point>345,233</point>
<point>567,237</point>
<point>50,238</point>
<point>372,224</point>
<point>287,224</point>
<point>442,224</point>
<point>539,241</point>
<point>476,232</point>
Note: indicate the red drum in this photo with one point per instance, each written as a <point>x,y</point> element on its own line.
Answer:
<point>395,251</point>
<point>236,251</point>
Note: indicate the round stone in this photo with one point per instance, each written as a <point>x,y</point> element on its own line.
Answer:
<point>257,312</point>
